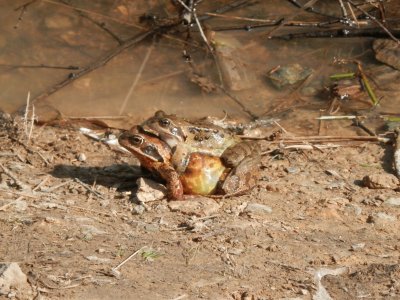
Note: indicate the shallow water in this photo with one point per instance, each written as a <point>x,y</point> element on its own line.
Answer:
<point>55,35</point>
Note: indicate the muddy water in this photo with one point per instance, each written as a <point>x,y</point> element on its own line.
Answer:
<point>154,74</point>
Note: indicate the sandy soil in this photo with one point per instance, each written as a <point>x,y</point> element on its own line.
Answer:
<point>68,221</point>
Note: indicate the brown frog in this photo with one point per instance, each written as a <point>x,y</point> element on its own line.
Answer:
<point>201,177</point>
<point>204,175</point>
<point>186,138</point>
<point>155,156</point>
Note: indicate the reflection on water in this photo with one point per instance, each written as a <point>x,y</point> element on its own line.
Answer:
<point>155,73</point>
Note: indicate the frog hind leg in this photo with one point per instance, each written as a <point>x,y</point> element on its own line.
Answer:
<point>242,177</point>
<point>234,154</point>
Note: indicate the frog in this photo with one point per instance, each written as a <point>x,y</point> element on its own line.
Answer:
<point>205,174</point>
<point>186,137</point>
<point>154,155</point>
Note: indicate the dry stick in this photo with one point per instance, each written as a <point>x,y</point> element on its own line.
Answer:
<point>240,18</point>
<point>353,15</point>
<point>130,257</point>
<point>283,22</point>
<point>19,194</point>
<point>89,188</point>
<point>26,113</point>
<point>375,20</point>
<point>49,190</point>
<point>5,206</point>
<point>31,125</point>
<point>397,152</point>
<point>136,80</point>
<point>40,184</point>
<point>19,183</point>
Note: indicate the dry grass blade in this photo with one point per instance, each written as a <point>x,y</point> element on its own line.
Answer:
<point>397,153</point>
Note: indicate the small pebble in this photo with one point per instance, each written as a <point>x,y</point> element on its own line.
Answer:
<point>358,246</point>
<point>257,208</point>
<point>393,202</point>
<point>381,181</point>
<point>292,170</point>
<point>381,217</point>
<point>81,157</point>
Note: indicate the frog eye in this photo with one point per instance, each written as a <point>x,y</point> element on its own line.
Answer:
<point>164,122</point>
<point>136,140</point>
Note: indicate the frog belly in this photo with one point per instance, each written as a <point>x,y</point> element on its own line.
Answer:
<point>202,174</point>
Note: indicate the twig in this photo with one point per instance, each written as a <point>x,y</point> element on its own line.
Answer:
<point>375,20</point>
<point>32,123</point>
<point>89,188</point>
<point>238,102</point>
<point>283,21</point>
<point>26,113</point>
<point>23,8</point>
<point>336,118</point>
<point>97,64</point>
<point>19,183</point>
<point>40,184</point>
<point>129,258</point>
<point>240,18</point>
<point>5,206</point>
<point>19,194</point>
<point>49,190</point>
<point>39,67</point>
<point>397,152</point>
<point>42,157</point>
<point>136,80</point>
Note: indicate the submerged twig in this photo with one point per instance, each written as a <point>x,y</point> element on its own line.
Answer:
<point>97,64</point>
<point>375,20</point>
<point>137,77</point>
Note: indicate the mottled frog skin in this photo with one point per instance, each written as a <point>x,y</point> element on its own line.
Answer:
<point>155,156</point>
<point>204,174</point>
<point>185,138</point>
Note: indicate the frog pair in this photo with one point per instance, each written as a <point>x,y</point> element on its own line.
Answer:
<point>194,157</point>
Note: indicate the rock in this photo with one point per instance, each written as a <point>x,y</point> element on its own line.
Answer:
<point>149,190</point>
<point>256,208</point>
<point>381,217</point>
<point>20,205</point>
<point>151,228</point>
<point>357,247</point>
<point>292,170</point>
<point>381,181</point>
<point>201,206</point>
<point>90,230</point>
<point>138,209</point>
<point>288,75</point>
<point>388,52</point>
<point>393,202</point>
<point>353,209</point>
<point>13,281</point>
<point>94,258</point>
<point>81,157</point>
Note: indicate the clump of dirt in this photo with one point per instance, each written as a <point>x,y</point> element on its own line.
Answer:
<point>69,217</point>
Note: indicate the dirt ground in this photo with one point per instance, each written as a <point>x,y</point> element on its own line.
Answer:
<point>68,216</point>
